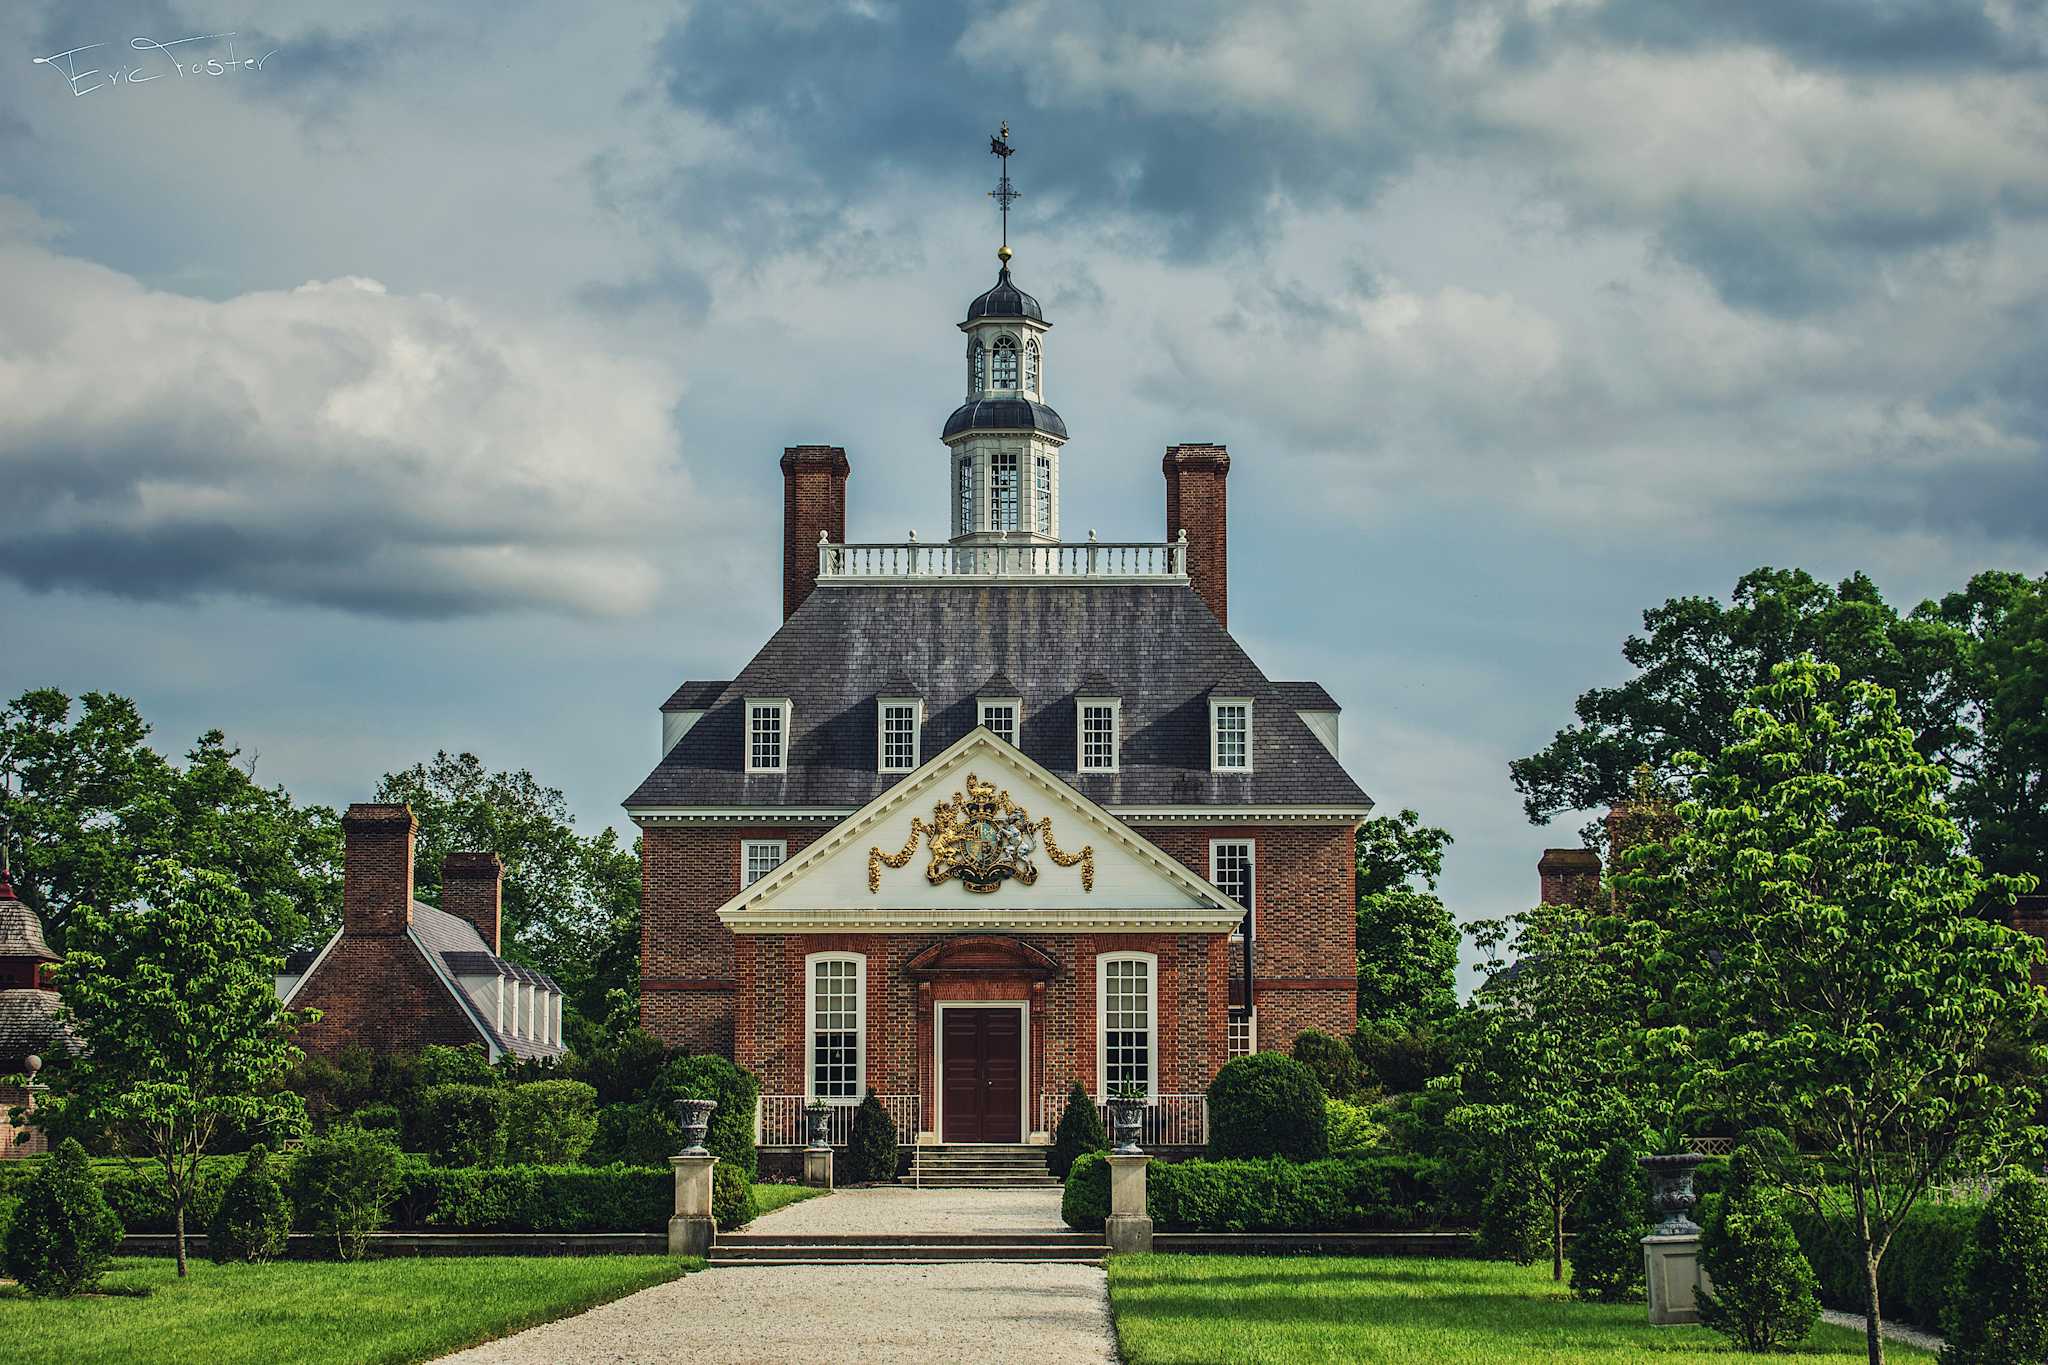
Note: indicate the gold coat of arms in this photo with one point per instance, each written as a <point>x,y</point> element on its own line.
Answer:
<point>981,838</point>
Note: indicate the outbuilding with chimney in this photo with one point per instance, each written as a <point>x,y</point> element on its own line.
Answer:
<point>991,815</point>
<point>401,974</point>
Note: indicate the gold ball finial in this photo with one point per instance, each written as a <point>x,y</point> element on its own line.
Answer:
<point>1003,253</point>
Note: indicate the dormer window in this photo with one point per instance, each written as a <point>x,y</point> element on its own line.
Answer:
<point>999,717</point>
<point>1031,366</point>
<point>1003,364</point>
<point>1097,734</point>
<point>977,367</point>
<point>1230,734</point>
<point>767,734</point>
<point>898,726</point>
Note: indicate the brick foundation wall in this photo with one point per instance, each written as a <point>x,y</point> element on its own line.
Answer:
<point>33,1141</point>
<point>377,991</point>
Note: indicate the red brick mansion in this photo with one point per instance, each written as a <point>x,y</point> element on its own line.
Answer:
<point>987,817</point>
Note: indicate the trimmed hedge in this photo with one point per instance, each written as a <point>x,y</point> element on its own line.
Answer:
<point>549,1122</point>
<point>1266,1105</point>
<point>538,1199</point>
<point>1913,1277</point>
<point>462,1124</point>
<point>1368,1194</point>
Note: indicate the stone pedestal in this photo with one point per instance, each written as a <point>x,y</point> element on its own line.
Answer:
<point>692,1229</point>
<point>818,1167</point>
<point>1671,1266</point>
<point>1129,1226</point>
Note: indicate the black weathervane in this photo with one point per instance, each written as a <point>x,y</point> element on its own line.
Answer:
<point>999,146</point>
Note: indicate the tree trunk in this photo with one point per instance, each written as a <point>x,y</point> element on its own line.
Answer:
<point>1873,1339</point>
<point>1557,1236</point>
<point>178,1215</point>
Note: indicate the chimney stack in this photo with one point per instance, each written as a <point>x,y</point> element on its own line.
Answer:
<point>813,501</point>
<point>376,872</point>
<point>1568,876</point>
<point>472,888</point>
<point>1195,504</point>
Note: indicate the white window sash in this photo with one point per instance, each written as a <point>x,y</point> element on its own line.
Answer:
<point>1103,964</point>
<point>1115,709</point>
<point>773,853</point>
<point>1219,707</point>
<point>888,711</point>
<point>860,1025</point>
<point>760,709</point>
<point>1013,705</point>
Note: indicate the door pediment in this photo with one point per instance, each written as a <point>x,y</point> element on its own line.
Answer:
<point>981,955</point>
<point>980,838</point>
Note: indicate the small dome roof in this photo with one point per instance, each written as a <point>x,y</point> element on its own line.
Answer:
<point>1006,300</point>
<point>1004,414</point>
<point>21,933</point>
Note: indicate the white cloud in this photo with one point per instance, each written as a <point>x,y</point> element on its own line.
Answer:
<point>335,443</point>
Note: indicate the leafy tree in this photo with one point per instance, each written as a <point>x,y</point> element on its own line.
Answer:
<point>1607,1254</point>
<point>86,803</point>
<point>183,1038</point>
<point>1407,941</point>
<point>1837,973</point>
<point>1698,659</point>
<point>1330,1060</point>
<point>1998,1301</point>
<point>1080,1130</point>
<point>63,1233</point>
<point>1763,1295</point>
<point>571,904</point>
<point>2001,792</point>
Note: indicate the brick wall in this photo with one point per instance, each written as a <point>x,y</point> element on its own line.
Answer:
<point>2030,915</point>
<point>376,881</point>
<point>1567,876</point>
<point>1196,503</point>
<point>377,991</point>
<point>473,888</point>
<point>688,973</point>
<point>813,500</point>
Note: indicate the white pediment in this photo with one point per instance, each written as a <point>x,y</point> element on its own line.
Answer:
<point>1050,860</point>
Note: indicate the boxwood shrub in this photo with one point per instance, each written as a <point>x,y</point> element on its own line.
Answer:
<point>1366,1194</point>
<point>538,1199</point>
<point>1913,1278</point>
<point>1266,1105</point>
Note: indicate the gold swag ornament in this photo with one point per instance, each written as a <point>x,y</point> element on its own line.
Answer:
<point>982,838</point>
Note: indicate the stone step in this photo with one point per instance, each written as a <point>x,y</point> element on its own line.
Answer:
<point>718,1262</point>
<point>910,1250</point>
<point>869,1239</point>
<point>931,1182</point>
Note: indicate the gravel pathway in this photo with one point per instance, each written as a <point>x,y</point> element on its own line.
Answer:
<point>890,1209</point>
<point>873,1314</point>
<point>1891,1331</point>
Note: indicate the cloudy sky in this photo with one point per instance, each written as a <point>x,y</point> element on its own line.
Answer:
<point>422,387</point>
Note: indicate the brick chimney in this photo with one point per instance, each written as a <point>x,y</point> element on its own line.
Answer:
<point>376,880</point>
<point>472,888</point>
<point>813,500</point>
<point>1195,504</point>
<point>1568,876</point>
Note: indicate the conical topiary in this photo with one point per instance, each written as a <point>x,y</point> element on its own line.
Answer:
<point>1998,1301</point>
<point>254,1217</point>
<point>1607,1253</point>
<point>871,1149</point>
<point>1080,1130</point>
<point>63,1232</point>
<point>1763,1294</point>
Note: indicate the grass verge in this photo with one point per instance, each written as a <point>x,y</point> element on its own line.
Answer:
<point>1218,1310</point>
<point>768,1198</point>
<point>384,1311</point>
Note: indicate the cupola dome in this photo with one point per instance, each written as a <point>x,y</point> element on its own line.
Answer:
<point>1006,300</point>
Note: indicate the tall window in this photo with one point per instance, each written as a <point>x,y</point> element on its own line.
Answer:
<point>1031,366</point>
<point>977,367</point>
<point>1127,998</point>
<point>966,493</point>
<point>1041,492</point>
<point>760,857</point>
<point>1243,1037</point>
<point>1098,736</point>
<point>999,718</point>
<point>1003,491</point>
<point>767,742</point>
<point>836,988</point>
<point>1230,729</point>
<point>1002,367</point>
<point>899,735</point>
<point>1231,869</point>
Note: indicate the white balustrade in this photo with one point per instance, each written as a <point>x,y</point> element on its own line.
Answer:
<point>779,1120</point>
<point>911,562</point>
<point>1170,1120</point>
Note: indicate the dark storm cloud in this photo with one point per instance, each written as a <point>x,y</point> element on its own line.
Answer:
<point>1878,36</point>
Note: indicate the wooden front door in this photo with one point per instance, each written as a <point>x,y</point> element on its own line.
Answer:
<point>984,1074</point>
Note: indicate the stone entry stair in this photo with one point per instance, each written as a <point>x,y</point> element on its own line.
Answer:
<point>734,1250</point>
<point>979,1166</point>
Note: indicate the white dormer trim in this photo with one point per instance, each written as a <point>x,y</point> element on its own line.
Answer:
<point>1323,725</point>
<point>1082,705</point>
<point>1015,705</point>
<point>757,707</point>
<point>1217,705</point>
<point>883,706</point>
<point>674,725</point>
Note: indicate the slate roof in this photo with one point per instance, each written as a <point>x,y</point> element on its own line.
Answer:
<point>1005,300</point>
<point>695,696</point>
<point>1158,644</point>
<point>1306,696</point>
<point>1003,414</point>
<point>21,932</point>
<point>28,1025</point>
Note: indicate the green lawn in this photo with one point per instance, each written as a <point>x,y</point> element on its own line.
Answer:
<point>1213,1310</point>
<point>399,1310</point>
<point>768,1198</point>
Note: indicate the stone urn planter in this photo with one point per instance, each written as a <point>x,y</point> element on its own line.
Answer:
<point>815,1114</point>
<point>1671,1192</point>
<point>1126,1120</point>
<point>695,1117</point>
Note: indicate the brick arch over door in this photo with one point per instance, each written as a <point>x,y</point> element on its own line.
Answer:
<point>975,967</point>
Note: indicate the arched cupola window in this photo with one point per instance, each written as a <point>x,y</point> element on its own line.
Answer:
<point>1003,365</point>
<point>1031,365</point>
<point>977,367</point>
